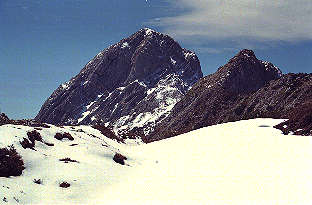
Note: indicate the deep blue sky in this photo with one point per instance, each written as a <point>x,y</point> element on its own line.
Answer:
<point>45,43</point>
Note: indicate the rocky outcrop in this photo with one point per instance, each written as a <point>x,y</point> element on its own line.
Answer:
<point>26,122</point>
<point>299,120</point>
<point>131,84</point>
<point>4,119</point>
<point>219,97</point>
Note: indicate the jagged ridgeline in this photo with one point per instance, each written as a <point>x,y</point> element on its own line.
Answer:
<point>222,96</point>
<point>148,85</point>
<point>134,83</point>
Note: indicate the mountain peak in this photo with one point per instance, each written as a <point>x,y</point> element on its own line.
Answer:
<point>149,31</point>
<point>245,73</point>
<point>138,79</point>
<point>212,99</point>
<point>246,53</point>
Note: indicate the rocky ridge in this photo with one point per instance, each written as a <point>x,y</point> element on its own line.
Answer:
<point>147,85</point>
<point>132,84</point>
<point>217,98</point>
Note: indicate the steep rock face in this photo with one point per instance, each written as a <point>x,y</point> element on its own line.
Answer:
<point>134,82</point>
<point>277,99</point>
<point>289,97</point>
<point>211,100</point>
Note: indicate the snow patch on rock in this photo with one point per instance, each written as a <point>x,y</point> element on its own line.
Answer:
<point>148,31</point>
<point>125,45</point>
<point>188,54</point>
<point>84,115</point>
<point>166,94</point>
<point>66,85</point>
<point>173,61</point>
<point>269,65</point>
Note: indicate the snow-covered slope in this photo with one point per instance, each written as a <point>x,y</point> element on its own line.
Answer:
<point>245,162</point>
<point>93,170</point>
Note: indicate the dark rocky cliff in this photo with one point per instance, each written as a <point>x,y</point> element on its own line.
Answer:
<point>219,97</point>
<point>133,83</point>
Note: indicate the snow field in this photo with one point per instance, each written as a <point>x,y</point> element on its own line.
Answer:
<point>245,162</point>
<point>234,163</point>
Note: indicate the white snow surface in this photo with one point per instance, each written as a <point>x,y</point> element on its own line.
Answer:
<point>245,162</point>
<point>120,88</point>
<point>66,85</point>
<point>188,54</point>
<point>148,31</point>
<point>173,61</point>
<point>83,116</point>
<point>94,170</point>
<point>93,118</point>
<point>125,45</point>
<point>115,107</point>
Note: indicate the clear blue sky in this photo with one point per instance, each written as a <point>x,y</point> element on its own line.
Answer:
<point>45,43</point>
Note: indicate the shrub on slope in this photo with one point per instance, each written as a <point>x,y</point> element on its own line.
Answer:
<point>11,163</point>
<point>119,158</point>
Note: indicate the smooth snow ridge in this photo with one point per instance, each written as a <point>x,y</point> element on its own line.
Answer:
<point>244,162</point>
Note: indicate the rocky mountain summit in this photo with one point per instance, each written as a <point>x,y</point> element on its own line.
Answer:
<point>215,98</point>
<point>134,83</point>
<point>147,85</point>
